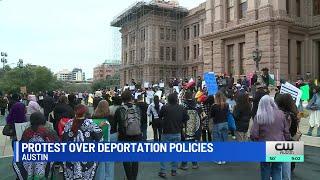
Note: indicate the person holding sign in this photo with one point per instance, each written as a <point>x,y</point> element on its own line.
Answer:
<point>81,128</point>
<point>101,116</point>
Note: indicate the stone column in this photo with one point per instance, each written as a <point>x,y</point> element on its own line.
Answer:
<point>218,56</point>
<point>293,59</point>
<point>207,56</point>
<point>250,46</point>
<point>279,7</point>
<point>236,54</point>
<point>265,9</point>
<point>281,51</point>
<point>251,11</point>
<point>219,15</point>
<point>209,16</point>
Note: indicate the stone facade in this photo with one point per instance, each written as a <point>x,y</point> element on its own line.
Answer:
<point>221,36</point>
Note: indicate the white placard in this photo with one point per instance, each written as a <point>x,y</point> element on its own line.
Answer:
<point>136,95</point>
<point>161,85</point>
<point>40,97</point>
<point>146,85</point>
<point>159,94</point>
<point>155,85</point>
<point>20,127</point>
<point>132,88</point>
<point>126,87</point>
<point>295,92</point>
<point>203,84</point>
<point>177,89</point>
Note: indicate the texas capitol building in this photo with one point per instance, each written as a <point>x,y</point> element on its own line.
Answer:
<point>162,40</point>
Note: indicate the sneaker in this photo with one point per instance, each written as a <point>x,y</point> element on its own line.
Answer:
<point>234,138</point>
<point>219,162</point>
<point>162,175</point>
<point>173,173</point>
<point>223,162</point>
<point>184,168</point>
<point>196,166</point>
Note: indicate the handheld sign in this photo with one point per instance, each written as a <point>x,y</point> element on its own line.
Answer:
<point>105,129</point>
<point>146,85</point>
<point>295,92</point>
<point>211,83</point>
<point>305,92</point>
<point>161,85</point>
<point>132,88</point>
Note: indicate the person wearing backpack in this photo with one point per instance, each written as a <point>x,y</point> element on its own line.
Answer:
<point>192,128</point>
<point>129,118</point>
<point>153,112</point>
<point>173,116</point>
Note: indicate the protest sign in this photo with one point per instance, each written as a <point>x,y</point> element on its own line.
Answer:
<point>305,92</point>
<point>161,85</point>
<point>105,129</point>
<point>136,95</point>
<point>211,83</point>
<point>159,94</point>
<point>132,88</point>
<point>176,88</point>
<point>295,92</point>
<point>146,85</point>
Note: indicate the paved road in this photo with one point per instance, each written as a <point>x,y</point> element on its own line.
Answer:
<point>309,170</point>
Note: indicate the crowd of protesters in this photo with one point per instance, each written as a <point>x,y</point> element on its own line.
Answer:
<point>184,114</point>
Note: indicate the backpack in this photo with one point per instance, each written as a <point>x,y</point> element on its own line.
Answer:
<point>193,124</point>
<point>132,121</point>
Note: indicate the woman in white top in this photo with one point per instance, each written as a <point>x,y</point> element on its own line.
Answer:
<point>153,112</point>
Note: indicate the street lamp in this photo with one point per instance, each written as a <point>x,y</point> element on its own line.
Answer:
<point>257,54</point>
<point>20,63</point>
<point>4,56</point>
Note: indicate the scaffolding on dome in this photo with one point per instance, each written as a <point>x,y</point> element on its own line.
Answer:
<point>168,10</point>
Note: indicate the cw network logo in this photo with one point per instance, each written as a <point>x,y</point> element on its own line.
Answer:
<point>285,147</point>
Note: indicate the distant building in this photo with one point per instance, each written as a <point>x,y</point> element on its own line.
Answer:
<point>75,75</point>
<point>161,40</point>
<point>78,75</point>
<point>106,69</point>
<point>64,75</point>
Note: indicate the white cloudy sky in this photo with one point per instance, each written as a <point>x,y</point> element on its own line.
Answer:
<point>62,34</point>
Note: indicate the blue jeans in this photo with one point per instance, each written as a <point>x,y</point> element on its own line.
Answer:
<point>105,170</point>
<point>286,171</point>
<point>220,132</point>
<point>273,170</point>
<point>170,138</point>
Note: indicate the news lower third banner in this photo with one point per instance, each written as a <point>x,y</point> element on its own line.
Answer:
<point>275,151</point>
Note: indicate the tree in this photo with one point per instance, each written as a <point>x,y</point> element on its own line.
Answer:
<point>35,78</point>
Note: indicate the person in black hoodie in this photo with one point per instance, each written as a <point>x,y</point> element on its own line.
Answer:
<point>48,104</point>
<point>260,92</point>
<point>242,116</point>
<point>173,118</point>
<point>144,121</point>
<point>126,110</point>
<point>192,128</point>
<point>72,100</point>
